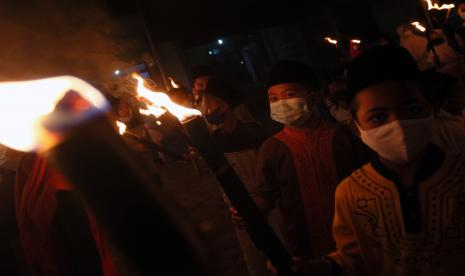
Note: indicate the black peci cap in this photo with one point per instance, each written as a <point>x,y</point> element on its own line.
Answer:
<point>381,64</point>
<point>291,72</point>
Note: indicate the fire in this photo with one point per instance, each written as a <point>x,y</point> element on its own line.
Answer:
<point>435,6</point>
<point>121,127</point>
<point>419,27</point>
<point>173,83</point>
<point>356,41</point>
<point>330,40</point>
<point>158,103</point>
<point>31,110</point>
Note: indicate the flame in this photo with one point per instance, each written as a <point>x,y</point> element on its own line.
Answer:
<point>31,110</point>
<point>121,127</point>
<point>158,103</point>
<point>173,83</point>
<point>419,27</point>
<point>330,40</point>
<point>435,6</point>
<point>356,41</point>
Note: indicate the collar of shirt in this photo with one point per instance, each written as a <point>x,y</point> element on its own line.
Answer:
<point>432,162</point>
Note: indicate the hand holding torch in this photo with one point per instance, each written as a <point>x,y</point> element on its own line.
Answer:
<point>62,119</point>
<point>258,228</point>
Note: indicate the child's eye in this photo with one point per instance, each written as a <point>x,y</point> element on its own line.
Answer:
<point>272,99</point>
<point>378,118</point>
<point>290,94</point>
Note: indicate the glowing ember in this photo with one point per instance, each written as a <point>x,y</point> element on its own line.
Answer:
<point>356,41</point>
<point>330,40</point>
<point>158,103</point>
<point>173,83</point>
<point>435,6</point>
<point>419,27</point>
<point>121,127</point>
<point>31,110</point>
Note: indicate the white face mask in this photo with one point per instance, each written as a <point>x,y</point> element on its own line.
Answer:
<point>400,141</point>
<point>292,112</point>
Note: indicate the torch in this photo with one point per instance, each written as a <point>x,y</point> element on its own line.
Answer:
<point>427,5</point>
<point>149,144</point>
<point>62,119</point>
<point>258,228</point>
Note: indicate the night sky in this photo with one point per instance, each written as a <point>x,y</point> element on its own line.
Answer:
<point>196,21</point>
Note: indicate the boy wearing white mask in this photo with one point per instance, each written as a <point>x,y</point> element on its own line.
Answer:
<point>300,167</point>
<point>403,213</point>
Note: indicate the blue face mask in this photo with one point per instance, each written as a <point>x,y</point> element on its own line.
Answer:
<point>290,112</point>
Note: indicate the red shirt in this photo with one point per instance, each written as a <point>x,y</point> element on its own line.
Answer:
<point>300,170</point>
<point>54,227</point>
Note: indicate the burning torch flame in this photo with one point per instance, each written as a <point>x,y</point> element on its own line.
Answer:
<point>435,6</point>
<point>330,40</point>
<point>419,27</point>
<point>173,83</point>
<point>356,41</point>
<point>29,111</point>
<point>158,103</point>
<point>121,127</point>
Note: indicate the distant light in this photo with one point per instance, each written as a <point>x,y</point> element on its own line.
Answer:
<point>117,72</point>
<point>220,41</point>
<point>242,62</point>
<point>158,123</point>
<point>330,40</point>
<point>356,41</point>
<point>210,52</point>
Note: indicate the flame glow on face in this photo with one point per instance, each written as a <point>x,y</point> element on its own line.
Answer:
<point>28,109</point>
<point>331,41</point>
<point>121,127</point>
<point>419,27</point>
<point>158,103</point>
<point>435,6</point>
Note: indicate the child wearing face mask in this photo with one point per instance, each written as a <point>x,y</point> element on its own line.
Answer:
<point>300,167</point>
<point>240,142</point>
<point>403,213</point>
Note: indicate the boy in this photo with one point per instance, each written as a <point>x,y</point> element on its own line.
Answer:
<point>240,142</point>
<point>300,167</point>
<point>402,214</point>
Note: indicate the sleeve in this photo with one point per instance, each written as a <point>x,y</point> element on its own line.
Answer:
<point>266,184</point>
<point>348,253</point>
<point>276,183</point>
<point>349,152</point>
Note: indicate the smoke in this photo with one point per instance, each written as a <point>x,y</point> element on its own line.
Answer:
<point>51,37</point>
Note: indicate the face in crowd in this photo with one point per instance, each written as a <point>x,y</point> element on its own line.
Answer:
<point>200,84</point>
<point>337,91</point>
<point>289,104</point>
<point>124,111</point>
<point>217,110</point>
<point>395,119</point>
